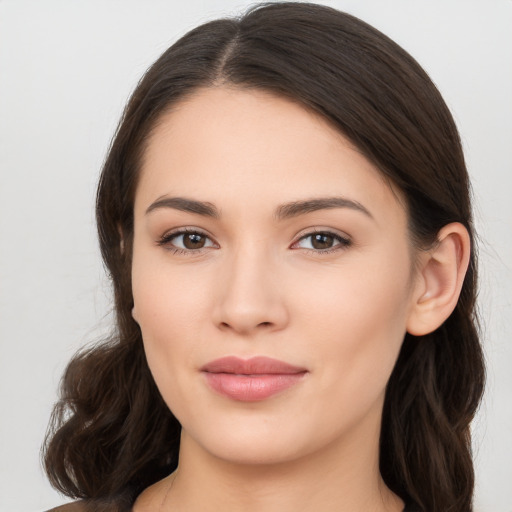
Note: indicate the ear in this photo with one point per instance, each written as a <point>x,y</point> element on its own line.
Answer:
<point>134,314</point>
<point>439,280</point>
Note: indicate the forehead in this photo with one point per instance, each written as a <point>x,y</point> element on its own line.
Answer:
<point>239,147</point>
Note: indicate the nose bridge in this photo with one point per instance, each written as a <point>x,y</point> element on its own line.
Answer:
<point>249,296</point>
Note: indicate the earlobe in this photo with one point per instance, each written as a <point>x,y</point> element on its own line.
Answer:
<point>134,314</point>
<point>442,273</point>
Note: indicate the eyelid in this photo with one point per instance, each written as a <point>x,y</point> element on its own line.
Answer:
<point>343,239</point>
<point>166,238</point>
<point>185,229</point>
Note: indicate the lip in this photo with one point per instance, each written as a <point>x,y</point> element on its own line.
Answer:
<point>250,380</point>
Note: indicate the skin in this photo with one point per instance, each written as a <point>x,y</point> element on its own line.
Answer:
<point>259,286</point>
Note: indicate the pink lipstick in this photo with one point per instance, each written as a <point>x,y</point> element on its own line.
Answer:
<point>252,379</point>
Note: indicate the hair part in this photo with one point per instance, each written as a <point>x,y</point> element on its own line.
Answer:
<point>111,433</point>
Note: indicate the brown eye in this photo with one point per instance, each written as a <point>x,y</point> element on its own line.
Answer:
<point>186,241</point>
<point>194,241</point>
<point>322,241</point>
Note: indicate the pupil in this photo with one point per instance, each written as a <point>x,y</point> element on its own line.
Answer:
<point>193,241</point>
<point>322,241</point>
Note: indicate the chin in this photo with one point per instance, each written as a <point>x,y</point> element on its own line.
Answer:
<point>260,453</point>
<point>253,442</point>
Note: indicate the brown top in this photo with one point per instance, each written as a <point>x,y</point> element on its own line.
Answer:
<point>75,506</point>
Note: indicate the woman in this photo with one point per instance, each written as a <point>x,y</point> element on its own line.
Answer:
<point>285,216</point>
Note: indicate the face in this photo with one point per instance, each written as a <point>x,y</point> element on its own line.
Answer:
<point>260,232</point>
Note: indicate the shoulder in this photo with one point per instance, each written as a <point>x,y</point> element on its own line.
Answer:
<point>75,506</point>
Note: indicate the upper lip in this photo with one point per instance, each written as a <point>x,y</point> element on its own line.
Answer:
<point>254,366</point>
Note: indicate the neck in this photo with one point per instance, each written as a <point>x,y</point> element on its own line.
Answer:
<point>342,477</point>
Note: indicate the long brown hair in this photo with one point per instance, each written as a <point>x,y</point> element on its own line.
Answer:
<point>111,434</point>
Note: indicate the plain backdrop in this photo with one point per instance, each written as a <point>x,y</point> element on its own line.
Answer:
<point>66,70</point>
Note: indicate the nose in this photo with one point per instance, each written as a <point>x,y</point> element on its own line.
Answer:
<point>250,298</point>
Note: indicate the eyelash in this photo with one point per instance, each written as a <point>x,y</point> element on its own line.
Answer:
<point>166,239</point>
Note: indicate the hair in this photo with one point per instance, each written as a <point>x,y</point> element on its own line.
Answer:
<point>111,434</point>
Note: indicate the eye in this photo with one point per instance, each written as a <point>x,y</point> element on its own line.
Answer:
<point>322,242</point>
<point>185,241</point>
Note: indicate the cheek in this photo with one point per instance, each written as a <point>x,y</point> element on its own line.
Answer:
<point>167,320</point>
<point>164,294</point>
<point>168,310</point>
<point>357,321</point>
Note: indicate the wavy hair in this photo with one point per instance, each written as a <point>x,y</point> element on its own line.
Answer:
<point>111,434</point>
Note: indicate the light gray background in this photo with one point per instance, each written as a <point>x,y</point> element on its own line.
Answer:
<point>66,69</point>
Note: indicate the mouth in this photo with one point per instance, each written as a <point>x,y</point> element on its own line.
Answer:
<point>253,379</point>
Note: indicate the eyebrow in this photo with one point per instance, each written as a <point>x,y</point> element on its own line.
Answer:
<point>186,205</point>
<point>282,212</point>
<point>296,208</point>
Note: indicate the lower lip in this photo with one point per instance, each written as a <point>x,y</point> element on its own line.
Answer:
<point>251,388</point>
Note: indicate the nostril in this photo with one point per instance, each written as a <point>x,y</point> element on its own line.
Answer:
<point>227,325</point>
